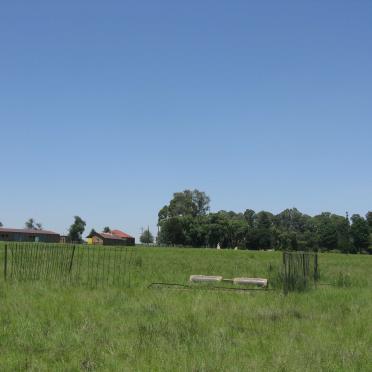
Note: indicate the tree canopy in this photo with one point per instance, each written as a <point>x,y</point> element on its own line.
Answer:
<point>76,230</point>
<point>186,221</point>
<point>359,232</point>
<point>146,237</point>
<point>33,225</point>
<point>189,203</point>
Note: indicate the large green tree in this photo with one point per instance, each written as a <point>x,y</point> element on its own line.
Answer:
<point>33,225</point>
<point>176,222</point>
<point>172,232</point>
<point>249,216</point>
<point>326,231</point>
<point>342,226</point>
<point>291,220</point>
<point>359,232</point>
<point>146,237</point>
<point>187,203</point>
<point>76,230</point>
<point>369,219</point>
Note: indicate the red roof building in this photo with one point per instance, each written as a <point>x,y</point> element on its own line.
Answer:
<point>121,234</point>
<point>115,237</point>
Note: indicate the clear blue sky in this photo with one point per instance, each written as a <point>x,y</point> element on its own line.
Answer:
<point>108,107</point>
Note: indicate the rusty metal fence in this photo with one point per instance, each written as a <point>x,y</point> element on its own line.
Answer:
<point>300,270</point>
<point>89,265</point>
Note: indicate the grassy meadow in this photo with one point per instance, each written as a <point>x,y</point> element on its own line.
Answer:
<point>54,327</point>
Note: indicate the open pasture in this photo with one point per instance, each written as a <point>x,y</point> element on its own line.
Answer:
<point>46,325</point>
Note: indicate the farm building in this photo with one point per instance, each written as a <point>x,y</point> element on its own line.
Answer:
<point>115,237</point>
<point>28,235</point>
<point>128,239</point>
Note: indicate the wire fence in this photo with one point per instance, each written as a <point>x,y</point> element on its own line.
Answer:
<point>89,265</point>
<point>300,270</point>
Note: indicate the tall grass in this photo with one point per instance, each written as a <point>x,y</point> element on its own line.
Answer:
<point>48,326</point>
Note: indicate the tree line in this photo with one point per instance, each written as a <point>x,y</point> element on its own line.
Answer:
<point>186,221</point>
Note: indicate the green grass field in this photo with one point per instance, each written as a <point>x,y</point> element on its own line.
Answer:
<point>51,327</point>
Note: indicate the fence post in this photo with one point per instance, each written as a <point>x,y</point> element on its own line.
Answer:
<point>316,274</point>
<point>5,261</point>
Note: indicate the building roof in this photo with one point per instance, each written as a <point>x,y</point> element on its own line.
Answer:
<point>121,234</point>
<point>26,231</point>
<point>104,235</point>
<point>113,235</point>
<point>109,236</point>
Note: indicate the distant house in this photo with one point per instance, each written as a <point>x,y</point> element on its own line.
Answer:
<point>28,235</point>
<point>127,238</point>
<point>115,237</point>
